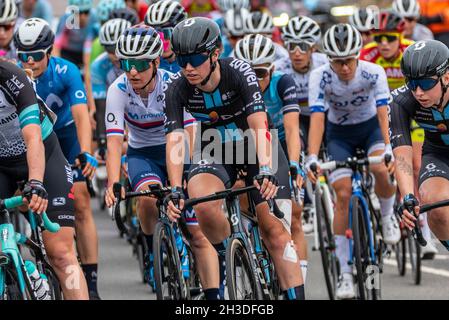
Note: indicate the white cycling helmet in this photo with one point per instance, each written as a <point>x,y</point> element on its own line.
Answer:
<point>363,18</point>
<point>342,40</point>
<point>8,11</point>
<point>234,21</point>
<point>166,13</point>
<point>112,30</point>
<point>259,22</point>
<point>226,5</point>
<point>406,8</point>
<point>139,42</point>
<point>34,34</point>
<point>256,49</point>
<point>301,28</point>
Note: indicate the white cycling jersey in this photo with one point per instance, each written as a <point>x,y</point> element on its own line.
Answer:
<point>349,102</point>
<point>302,80</point>
<point>145,120</point>
<point>421,32</point>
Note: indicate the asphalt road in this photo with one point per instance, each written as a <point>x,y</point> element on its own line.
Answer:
<point>119,275</point>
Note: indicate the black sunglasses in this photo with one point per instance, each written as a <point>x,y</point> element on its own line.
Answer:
<point>379,38</point>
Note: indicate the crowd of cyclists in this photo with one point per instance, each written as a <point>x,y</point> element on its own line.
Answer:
<point>139,86</point>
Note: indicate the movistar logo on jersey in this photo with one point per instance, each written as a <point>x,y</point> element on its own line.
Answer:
<point>61,69</point>
<point>135,116</point>
<point>122,86</point>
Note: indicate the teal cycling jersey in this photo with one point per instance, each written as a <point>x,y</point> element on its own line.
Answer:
<point>280,98</point>
<point>103,74</point>
<point>61,87</point>
<point>19,107</point>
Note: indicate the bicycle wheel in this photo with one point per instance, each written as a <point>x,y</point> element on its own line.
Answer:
<point>327,246</point>
<point>366,283</point>
<point>53,283</point>
<point>401,255</point>
<point>414,250</point>
<point>240,278</point>
<point>141,250</point>
<point>12,285</point>
<point>167,269</point>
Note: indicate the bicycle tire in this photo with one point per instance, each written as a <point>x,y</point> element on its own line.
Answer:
<point>360,246</point>
<point>53,283</point>
<point>401,256</point>
<point>236,253</point>
<point>324,232</point>
<point>415,258</point>
<point>163,244</point>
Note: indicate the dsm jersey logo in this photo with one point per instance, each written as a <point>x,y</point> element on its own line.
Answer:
<point>58,202</point>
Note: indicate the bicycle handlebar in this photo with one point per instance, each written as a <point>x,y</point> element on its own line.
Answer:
<point>332,165</point>
<point>416,232</point>
<point>233,193</point>
<point>17,201</point>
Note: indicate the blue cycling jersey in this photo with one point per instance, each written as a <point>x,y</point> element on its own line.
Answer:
<point>172,67</point>
<point>103,74</point>
<point>280,98</point>
<point>61,87</point>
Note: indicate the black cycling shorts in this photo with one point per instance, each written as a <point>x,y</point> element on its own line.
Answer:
<point>58,181</point>
<point>433,165</point>
<point>228,173</point>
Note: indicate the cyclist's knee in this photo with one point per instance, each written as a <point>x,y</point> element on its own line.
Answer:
<point>207,209</point>
<point>343,191</point>
<point>198,241</point>
<point>61,255</point>
<point>438,217</point>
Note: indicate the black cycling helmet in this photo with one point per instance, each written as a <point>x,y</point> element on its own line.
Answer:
<point>388,20</point>
<point>126,14</point>
<point>425,59</point>
<point>34,34</point>
<point>195,35</point>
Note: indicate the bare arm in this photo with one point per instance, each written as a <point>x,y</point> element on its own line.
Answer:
<point>32,136</point>
<point>83,128</point>
<point>292,135</point>
<point>404,169</point>
<point>114,155</point>
<point>175,152</point>
<point>382,116</point>
<point>316,132</point>
<point>258,122</point>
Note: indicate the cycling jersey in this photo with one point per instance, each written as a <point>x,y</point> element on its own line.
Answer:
<point>145,121</point>
<point>19,107</point>
<point>236,97</point>
<point>61,87</point>
<point>73,38</point>
<point>42,9</point>
<point>350,102</point>
<point>96,50</point>
<point>103,74</point>
<point>302,80</point>
<point>280,99</point>
<point>403,108</point>
<point>372,54</point>
<point>197,10</point>
<point>172,67</point>
<point>421,32</point>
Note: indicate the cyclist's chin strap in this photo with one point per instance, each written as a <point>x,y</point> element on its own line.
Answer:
<point>444,88</point>
<point>212,69</point>
<point>152,77</point>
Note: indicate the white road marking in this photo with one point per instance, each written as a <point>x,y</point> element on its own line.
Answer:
<point>434,271</point>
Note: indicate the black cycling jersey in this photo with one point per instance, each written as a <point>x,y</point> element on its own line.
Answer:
<point>19,107</point>
<point>404,108</point>
<point>226,108</point>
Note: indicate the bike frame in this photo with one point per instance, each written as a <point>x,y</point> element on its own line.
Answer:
<point>9,240</point>
<point>238,232</point>
<point>357,191</point>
